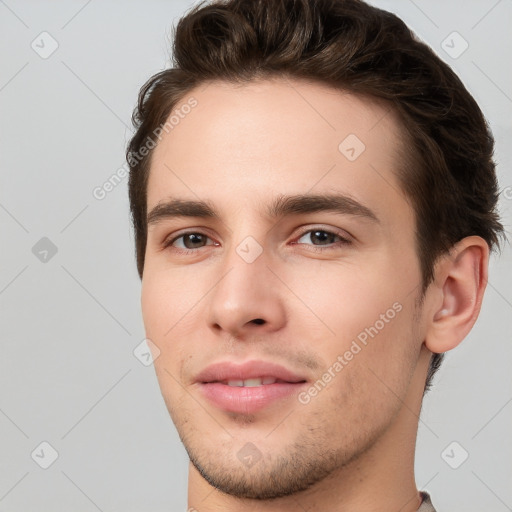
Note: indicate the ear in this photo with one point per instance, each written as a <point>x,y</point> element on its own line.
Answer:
<point>459,284</point>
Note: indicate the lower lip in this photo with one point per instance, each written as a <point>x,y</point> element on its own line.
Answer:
<point>241,399</point>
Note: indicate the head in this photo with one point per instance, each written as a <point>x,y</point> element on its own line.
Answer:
<point>259,105</point>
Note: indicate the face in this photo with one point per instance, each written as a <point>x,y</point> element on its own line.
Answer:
<point>283,302</point>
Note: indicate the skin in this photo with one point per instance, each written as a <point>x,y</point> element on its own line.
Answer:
<point>351,447</point>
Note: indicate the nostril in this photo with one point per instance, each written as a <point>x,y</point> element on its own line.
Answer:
<point>258,321</point>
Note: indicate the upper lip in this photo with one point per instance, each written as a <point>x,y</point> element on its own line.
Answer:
<point>227,370</point>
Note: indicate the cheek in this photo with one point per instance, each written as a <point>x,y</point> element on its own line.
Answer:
<point>345,299</point>
<point>167,300</point>
<point>153,302</point>
<point>364,317</point>
<point>168,307</point>
<point>372,384</point>
<point>379,374</point>
<point>161,314</point>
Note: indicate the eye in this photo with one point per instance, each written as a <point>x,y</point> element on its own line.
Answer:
<point>319,240</point>
<point>322,239</point>
<point>187,242</point>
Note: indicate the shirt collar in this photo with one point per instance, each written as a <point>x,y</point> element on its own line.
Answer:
<point>426,504</point>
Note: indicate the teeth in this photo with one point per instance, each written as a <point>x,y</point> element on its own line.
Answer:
<point>251,383</point>
<point>236,383</point>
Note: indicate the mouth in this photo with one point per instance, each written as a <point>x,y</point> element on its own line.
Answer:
<point>252,383</point>
<point>249,387</point>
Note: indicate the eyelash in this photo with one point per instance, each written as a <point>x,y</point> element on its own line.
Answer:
<point>343,241</point>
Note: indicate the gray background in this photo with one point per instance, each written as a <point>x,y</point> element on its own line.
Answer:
<point>70,323</point>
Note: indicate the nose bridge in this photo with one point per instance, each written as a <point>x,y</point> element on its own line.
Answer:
<point>246,291</point>
<point>245,271</point>
<point>245,252</point>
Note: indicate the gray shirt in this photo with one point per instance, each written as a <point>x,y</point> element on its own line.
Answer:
<point>426,504</point>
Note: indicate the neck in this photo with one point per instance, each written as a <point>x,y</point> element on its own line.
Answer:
<point>381,479</point>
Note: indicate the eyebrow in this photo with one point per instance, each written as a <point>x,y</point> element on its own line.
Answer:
<point>280,206</point>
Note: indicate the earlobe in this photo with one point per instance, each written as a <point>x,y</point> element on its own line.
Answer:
<point>461,278</point>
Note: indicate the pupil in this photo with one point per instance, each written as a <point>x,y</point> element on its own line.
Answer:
<point>323,236</point>
<point>193,239</point>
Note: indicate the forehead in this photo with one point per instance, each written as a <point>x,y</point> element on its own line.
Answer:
<point>276,136</point>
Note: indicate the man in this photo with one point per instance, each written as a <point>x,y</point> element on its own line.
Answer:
<point>314,202</point>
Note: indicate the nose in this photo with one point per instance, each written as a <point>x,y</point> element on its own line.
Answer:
<point>247,299</point>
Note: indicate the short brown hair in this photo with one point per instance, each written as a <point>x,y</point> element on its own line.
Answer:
<point>448,170</point>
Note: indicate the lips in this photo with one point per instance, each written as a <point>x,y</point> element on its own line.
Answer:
<point>249,387</point>
<point>228,371</point>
